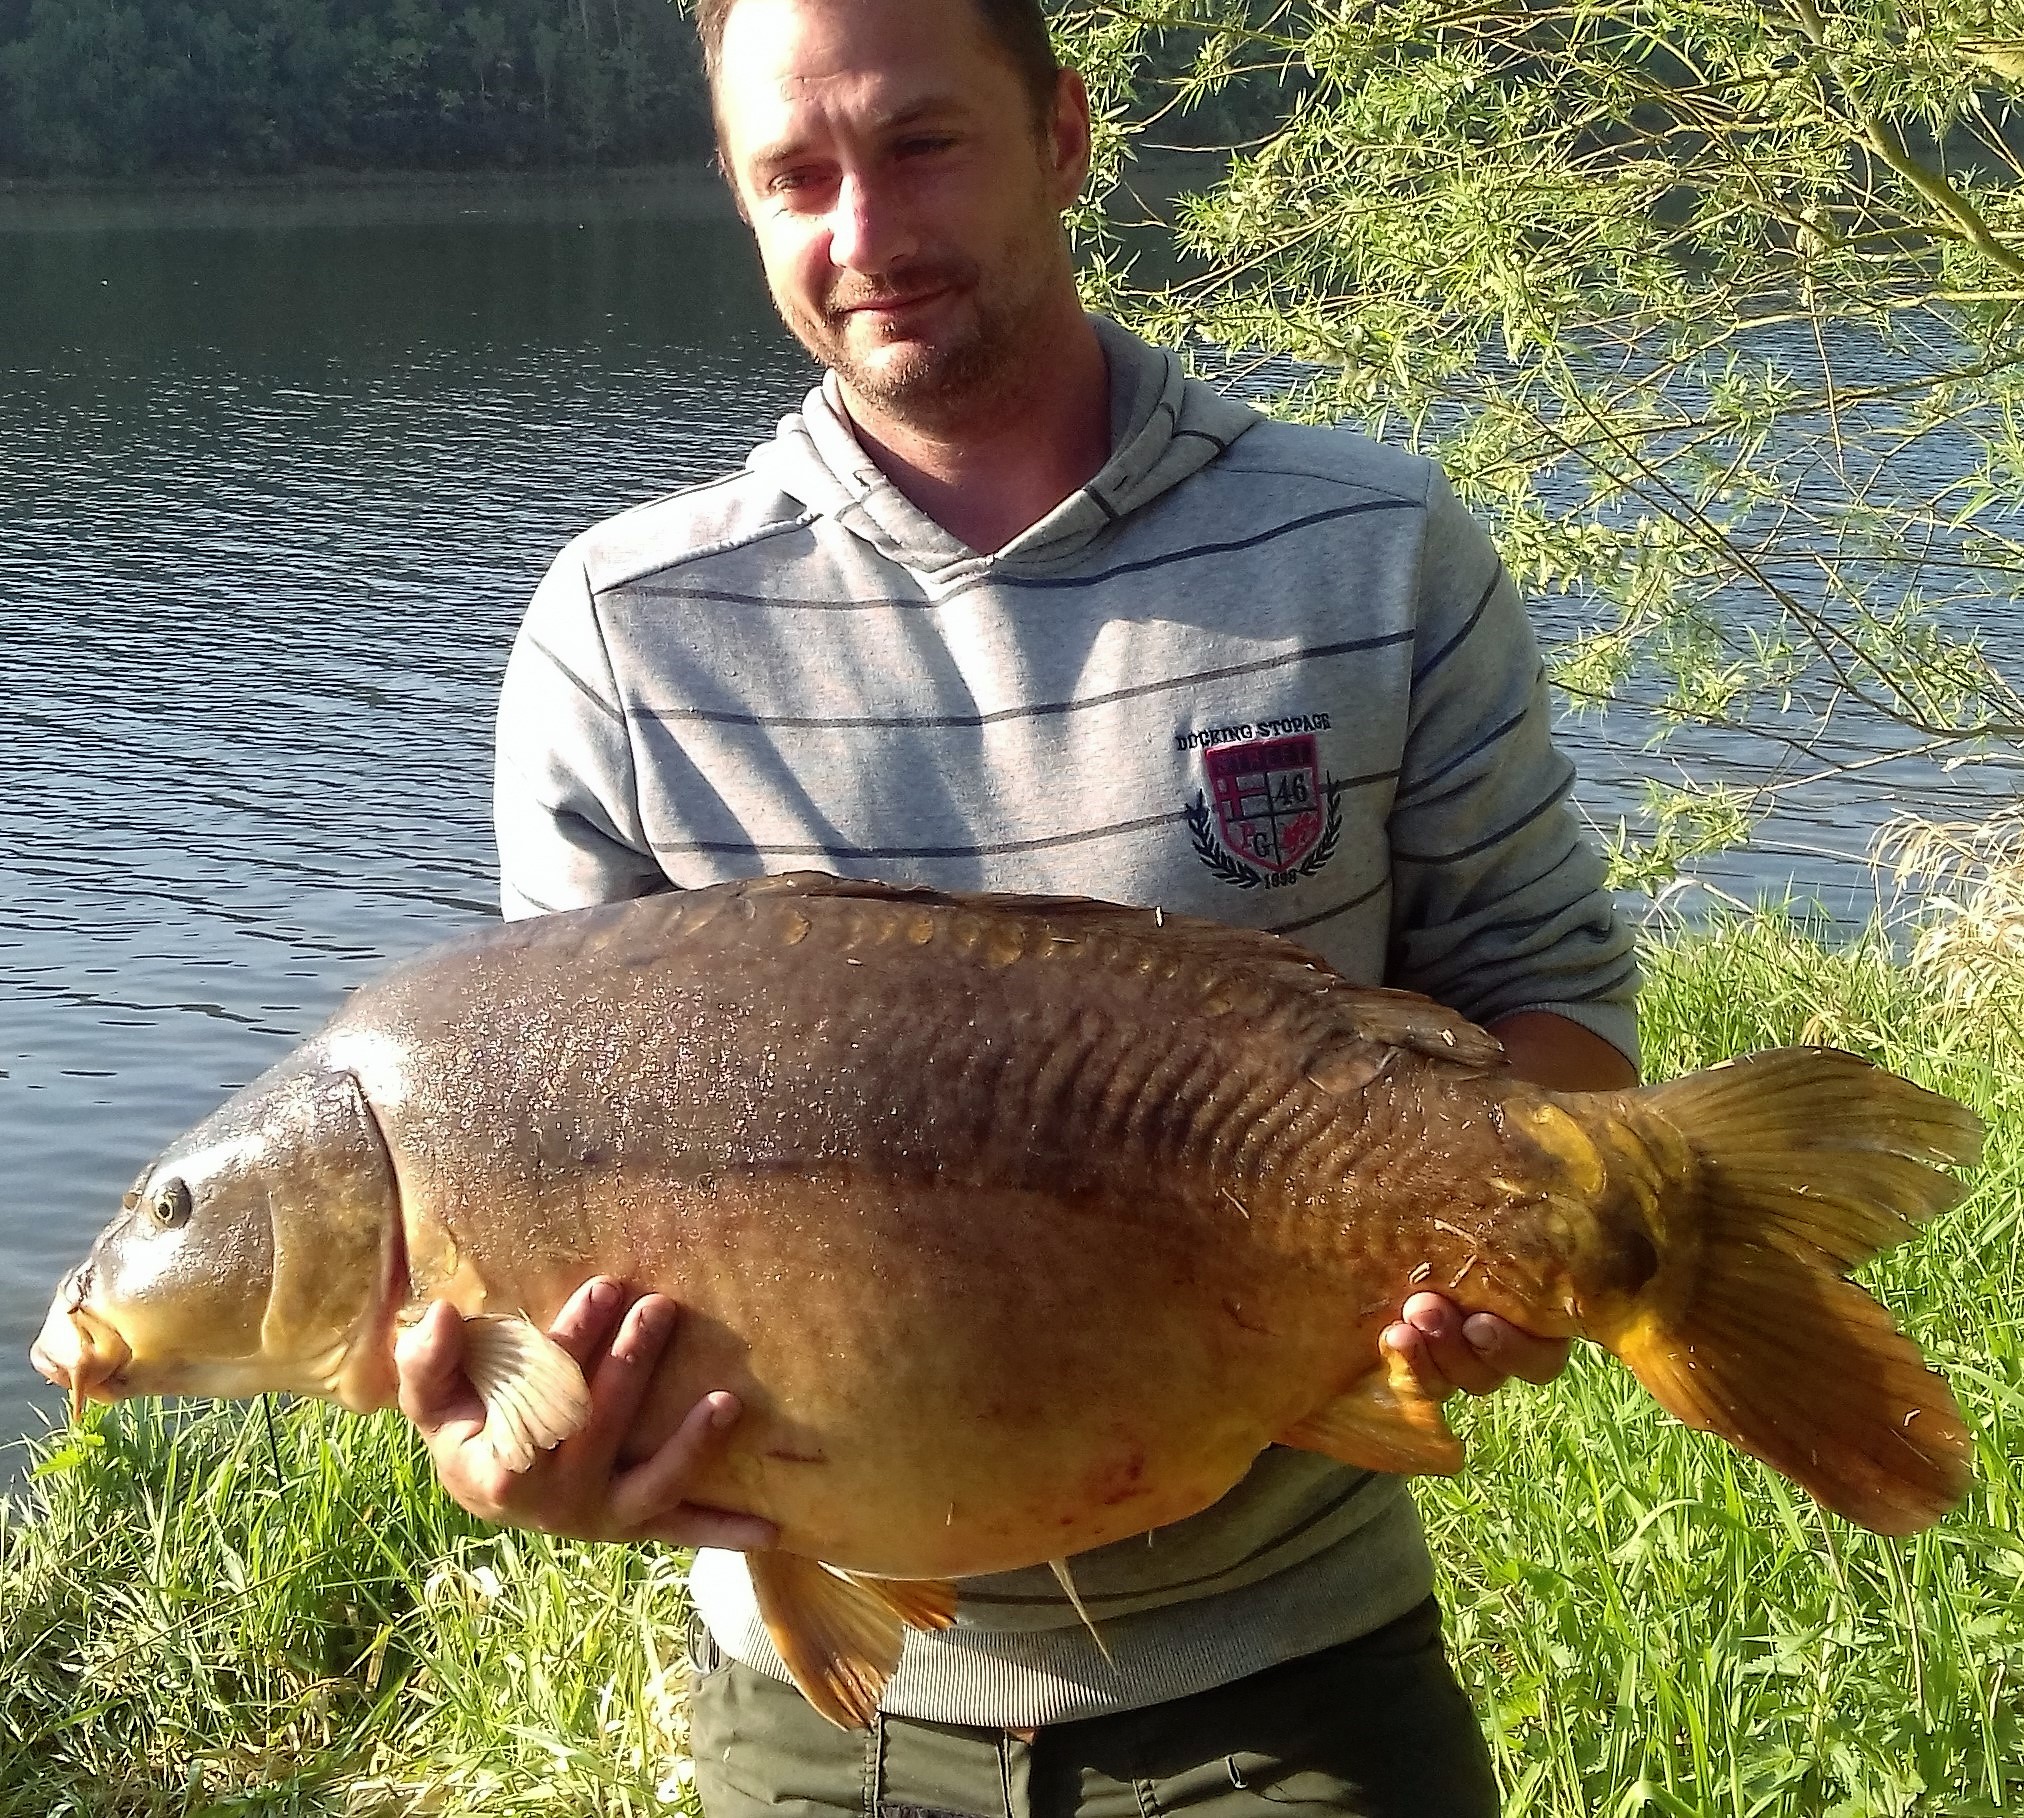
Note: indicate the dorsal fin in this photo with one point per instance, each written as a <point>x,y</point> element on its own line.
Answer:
<point>1404,1019</point>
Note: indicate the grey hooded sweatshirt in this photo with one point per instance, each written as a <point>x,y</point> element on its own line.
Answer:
<point>1267,674</point>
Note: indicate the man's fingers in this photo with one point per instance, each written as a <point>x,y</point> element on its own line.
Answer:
<point>1443,1360</point>
<point>588,1319</point>
<point>1513,1351</point>
<point>658,1484</point>
<point>1447,1352</point>
<point>647,1499</point>
<point>619,1342</point>
<point>619,1384</point>
<point>1410,1343</point>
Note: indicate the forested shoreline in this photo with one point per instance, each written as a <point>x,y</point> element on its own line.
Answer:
<point>217,88</point>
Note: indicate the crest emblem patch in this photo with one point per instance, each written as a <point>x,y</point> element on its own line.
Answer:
<point>1267,817</point>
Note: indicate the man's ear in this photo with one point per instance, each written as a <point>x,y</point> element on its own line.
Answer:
<point>1068,135</point>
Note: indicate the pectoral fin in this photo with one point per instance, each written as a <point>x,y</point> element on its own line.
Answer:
<point>534,1394</point>
<point>1386,1422</point>
<point>839,1634</point>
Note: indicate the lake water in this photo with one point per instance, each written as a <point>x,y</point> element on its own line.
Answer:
<point>277,475</point>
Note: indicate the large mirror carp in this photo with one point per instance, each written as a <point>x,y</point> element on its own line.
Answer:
<point>1019,1225</point>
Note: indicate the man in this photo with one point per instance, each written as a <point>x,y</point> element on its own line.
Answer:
<point>1012,604</point>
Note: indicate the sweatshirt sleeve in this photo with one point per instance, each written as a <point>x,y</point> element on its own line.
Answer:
<point>565,805</point>
<point>1499,903</point>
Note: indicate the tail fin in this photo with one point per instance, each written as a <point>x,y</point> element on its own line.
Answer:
<point>1806,1162</point>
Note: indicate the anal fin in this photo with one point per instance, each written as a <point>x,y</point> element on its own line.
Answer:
<point>1384,1422</point>
<point>533,1392</point>
<point>1059,1567</point>
<point>838,1633</point>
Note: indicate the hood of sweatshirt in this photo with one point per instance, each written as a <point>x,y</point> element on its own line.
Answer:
<point>1164,426</point>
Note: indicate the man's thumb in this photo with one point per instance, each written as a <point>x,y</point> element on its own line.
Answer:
<point>429,1359</point>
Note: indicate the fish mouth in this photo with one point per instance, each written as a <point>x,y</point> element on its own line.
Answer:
<point>79,1350</point>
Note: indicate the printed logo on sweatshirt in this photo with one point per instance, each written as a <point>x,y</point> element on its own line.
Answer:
<point>1268,817</point>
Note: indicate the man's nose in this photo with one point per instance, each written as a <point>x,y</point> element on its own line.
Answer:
<point>868,233</point>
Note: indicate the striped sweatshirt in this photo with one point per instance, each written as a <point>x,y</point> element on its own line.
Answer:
<point>1267,674</point>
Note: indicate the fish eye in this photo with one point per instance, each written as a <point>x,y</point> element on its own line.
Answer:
<point>171,1205</point>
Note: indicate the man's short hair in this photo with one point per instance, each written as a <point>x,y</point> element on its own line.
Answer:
<point>1017,27</point>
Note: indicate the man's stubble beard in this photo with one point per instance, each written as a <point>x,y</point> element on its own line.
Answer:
<point>933,385</point>
<point>980,370</point>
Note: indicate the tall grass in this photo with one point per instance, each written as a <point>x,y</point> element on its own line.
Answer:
<point>203,1614</point>
<point>208,1617</point>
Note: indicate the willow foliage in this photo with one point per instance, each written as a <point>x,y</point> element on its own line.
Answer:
<point>1715,309</point>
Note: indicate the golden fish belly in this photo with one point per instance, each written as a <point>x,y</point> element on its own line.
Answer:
<point>940,1384</point>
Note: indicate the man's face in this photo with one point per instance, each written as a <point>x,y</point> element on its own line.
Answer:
<point>906,202</point>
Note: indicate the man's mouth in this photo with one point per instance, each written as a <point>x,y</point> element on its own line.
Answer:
<point>923,285</point>
<point>892,306</point>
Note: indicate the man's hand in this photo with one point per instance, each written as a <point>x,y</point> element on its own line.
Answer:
<point>1476,1354</point>
<point>1482,1352</point>
<point>578,1489</point>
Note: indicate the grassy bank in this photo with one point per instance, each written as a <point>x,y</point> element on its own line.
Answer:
<point>220,1617</point>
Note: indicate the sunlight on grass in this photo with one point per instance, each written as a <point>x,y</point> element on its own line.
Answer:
<point>209,1616</point>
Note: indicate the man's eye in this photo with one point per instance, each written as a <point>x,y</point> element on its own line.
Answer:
<point>910,148</point>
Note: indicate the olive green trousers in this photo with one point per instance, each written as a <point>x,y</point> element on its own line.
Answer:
<point>1374,1728</point>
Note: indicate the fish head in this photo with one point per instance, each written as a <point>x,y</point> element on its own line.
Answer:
<point>257,1253</point>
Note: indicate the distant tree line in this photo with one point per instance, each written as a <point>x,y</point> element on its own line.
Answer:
<point>143,87</point>
<point>226,87</point>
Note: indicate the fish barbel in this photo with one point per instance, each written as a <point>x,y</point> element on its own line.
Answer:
<point>1019,1225</point>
